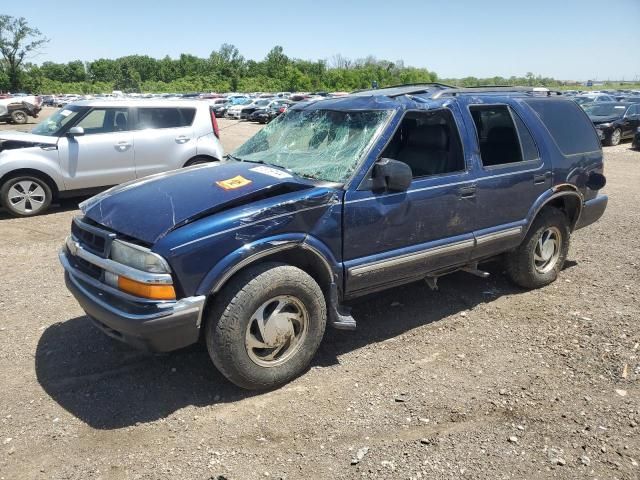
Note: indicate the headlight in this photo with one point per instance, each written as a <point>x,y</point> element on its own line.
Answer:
<point>605,125</point>
<point>138,257</point>
<point>638,129</point>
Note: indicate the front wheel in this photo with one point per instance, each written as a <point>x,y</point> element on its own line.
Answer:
<point>25,196</point>
<point>541,255</point>
<point>266,326</point>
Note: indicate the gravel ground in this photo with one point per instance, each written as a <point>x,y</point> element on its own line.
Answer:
<point>477,380</point>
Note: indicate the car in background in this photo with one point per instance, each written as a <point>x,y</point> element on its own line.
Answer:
<point>275,108</point>
<point>252,107</point>
<point>219,106</point>
<point>18,109</point>
<point>614,121</point>
<point>630,98</point>
<point>235,109</point>
<point>587,98</point>
<point>635,143</point>
<point>91,145</point>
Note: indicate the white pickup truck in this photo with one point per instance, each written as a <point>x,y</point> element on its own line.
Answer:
<point>19,109</point>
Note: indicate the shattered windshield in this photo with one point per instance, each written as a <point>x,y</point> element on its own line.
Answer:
<point>320,144</point>
<point>51,125</point>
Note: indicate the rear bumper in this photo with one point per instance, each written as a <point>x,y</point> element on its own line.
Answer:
<point>592,211</point>
<point>153,326</point>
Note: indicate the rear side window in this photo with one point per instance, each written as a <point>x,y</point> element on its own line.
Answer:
<point>497,135</point>
<point>165,117</point>
<point>571,129</point>
<point>529,149</point>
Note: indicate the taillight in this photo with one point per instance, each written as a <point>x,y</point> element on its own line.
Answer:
<point>214,124</point>
<point>282,109</point>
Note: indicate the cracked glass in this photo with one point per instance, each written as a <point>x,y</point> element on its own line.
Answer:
<point>320,144</point>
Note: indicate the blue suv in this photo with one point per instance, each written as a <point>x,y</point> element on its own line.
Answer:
<point>335,199</point>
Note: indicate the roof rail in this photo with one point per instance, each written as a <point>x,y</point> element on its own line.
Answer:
<point>490,89</point>
<point>407,88</point>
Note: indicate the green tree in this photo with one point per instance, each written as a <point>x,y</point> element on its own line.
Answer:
<point>18,41</point>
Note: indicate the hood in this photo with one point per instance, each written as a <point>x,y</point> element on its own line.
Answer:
<point>28,138</point>
<point>597,119</point>
<point>149,208</point>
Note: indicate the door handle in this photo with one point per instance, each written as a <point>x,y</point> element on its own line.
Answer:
<point>122,146</point>
<point>467,192</point>
<point>182,139</point>
<point>541,178</point>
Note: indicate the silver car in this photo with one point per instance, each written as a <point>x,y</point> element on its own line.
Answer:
<point>90,145</point>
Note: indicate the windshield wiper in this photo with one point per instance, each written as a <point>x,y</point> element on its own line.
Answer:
<point>237,159</point>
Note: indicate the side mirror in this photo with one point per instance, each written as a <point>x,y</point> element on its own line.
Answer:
<point>391,175</point>
<point>75,132</point>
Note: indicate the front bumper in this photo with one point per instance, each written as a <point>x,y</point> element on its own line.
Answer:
<point>592,211</point>
<point>144,324</point>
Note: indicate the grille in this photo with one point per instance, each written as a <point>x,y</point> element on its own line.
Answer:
<point>91,240</point>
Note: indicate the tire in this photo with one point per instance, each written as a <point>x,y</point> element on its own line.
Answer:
<point>14,199</point>
<point>19,116</point>
<point>614,138</point>
<point>530,265</point>
<point>232,326</point>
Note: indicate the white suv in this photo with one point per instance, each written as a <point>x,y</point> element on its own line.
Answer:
<point>90,145</point>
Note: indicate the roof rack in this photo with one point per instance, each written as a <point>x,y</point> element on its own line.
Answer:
<point>491,89</point>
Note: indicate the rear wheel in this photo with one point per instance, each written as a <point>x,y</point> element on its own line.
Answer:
<point>541,255</point>
<point>266,326</point>
<point>19,116</point>
<point>25,196</point>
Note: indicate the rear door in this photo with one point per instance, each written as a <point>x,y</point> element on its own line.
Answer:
<point>511,177</point>
<point>104,154</point>
<point>164,138</point>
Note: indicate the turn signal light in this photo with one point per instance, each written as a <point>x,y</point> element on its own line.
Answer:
<point>146,290</point>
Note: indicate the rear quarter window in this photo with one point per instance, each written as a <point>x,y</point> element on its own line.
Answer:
<point>569,126</point>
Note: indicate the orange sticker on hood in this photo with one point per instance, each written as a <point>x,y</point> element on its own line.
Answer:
<point>233,183</point>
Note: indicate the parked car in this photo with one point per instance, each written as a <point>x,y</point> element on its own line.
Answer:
<point>92,145</point>
<point>337,199</point>
<point>635,144</point>
<point>588,98</point>
<point>252,107</point>
<point>614,121</point>
<point>271,111</point>
<point>235,110</point>
<point>19,109</point>
<point>630,99</point>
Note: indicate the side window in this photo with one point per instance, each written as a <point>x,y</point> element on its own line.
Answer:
<point>105,120</point>
<point>165,117</point>
<point>569,126</point>
<point>429,142</point>
<point>497,135</point>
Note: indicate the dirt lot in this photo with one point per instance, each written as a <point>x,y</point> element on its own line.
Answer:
<point>477,380</point>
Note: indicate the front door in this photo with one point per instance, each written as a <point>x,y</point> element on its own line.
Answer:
<point>103,156</point>
<point>395,237</point>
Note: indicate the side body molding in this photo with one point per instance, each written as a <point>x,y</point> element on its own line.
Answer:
<point>254,252</point>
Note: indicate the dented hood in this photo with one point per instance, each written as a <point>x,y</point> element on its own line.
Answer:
<point>28,138</point>
<point>149,208</point>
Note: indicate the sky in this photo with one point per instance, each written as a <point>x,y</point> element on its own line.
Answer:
<point>565,39</point>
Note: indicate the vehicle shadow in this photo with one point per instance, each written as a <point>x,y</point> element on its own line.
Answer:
<point>64,205</point>
<point>108,385</point>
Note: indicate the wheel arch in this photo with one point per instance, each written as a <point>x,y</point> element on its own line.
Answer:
<point>208,158</point>
<point>18,172</point>
<point>566,198</point>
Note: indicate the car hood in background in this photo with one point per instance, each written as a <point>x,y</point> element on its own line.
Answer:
<point>149,208</point>
<point>28,138</point>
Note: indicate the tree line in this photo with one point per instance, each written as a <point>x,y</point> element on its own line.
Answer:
<point>224,70</point>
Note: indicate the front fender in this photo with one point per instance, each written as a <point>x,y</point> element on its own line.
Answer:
<point>32,159</point>
<point>253,252</point>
